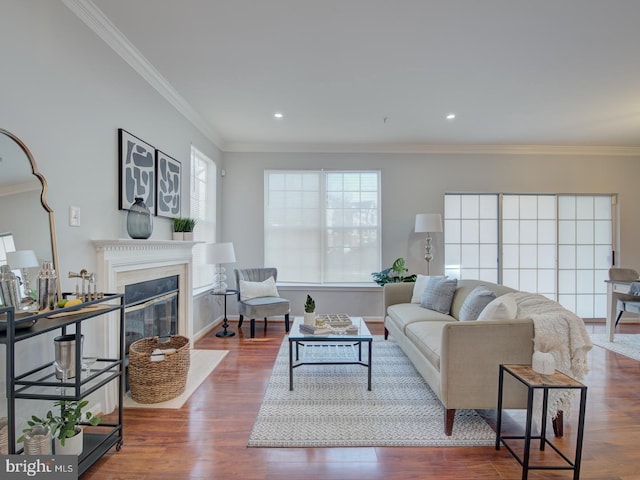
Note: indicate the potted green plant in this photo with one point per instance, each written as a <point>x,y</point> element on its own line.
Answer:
<point>65,427</point>
<point>309,311</point>
<point>183,228</point>
<point>393,274</point>
<point>189,225</point>
<point>178,228</point>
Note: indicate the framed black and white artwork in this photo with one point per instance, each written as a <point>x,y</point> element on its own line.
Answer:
<point>137,171</point>
<point>168,177</point>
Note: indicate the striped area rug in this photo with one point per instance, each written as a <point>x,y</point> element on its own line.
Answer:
<point>330,406</point>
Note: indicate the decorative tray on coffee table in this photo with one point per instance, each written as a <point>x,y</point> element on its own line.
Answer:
<point>334,320</point>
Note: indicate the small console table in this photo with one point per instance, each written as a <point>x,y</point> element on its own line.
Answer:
<point>535,381</point>
<point>225,323</point>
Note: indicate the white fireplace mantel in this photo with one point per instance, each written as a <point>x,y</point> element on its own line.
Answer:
<point>122,262</point>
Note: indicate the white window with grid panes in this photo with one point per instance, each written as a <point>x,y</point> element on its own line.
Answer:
<point>556,245</point>
<point>322,226</point>
<point>471,236</point>
<point>203,208</point>
<point>529,243</point>
<point>585,239</point>
<point>6,245</point>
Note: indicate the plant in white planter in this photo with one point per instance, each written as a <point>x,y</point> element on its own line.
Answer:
<point>65,427</point>
<point>183,228</point>
<point>178,228</point>
<point>309,311</point>
<point>189,225</point>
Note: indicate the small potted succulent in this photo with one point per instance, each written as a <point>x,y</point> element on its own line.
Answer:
<point>310,311</point>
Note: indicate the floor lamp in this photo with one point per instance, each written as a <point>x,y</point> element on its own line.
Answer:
<point>428,223</point>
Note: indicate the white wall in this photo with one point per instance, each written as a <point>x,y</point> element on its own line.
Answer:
<point>65,93</point>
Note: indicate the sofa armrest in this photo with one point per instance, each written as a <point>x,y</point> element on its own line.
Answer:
<point>393,293</point>
<point>471,353</point>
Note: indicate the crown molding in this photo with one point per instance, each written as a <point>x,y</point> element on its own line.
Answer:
<point>93,17</point>
<point>436,149</point>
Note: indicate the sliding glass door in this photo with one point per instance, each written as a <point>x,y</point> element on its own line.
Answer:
<point>555,245</point>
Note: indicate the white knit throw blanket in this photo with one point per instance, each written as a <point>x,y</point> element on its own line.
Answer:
<point>552,321</point>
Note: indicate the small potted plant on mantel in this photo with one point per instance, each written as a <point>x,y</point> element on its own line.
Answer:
<point>65,427</point>
<point>309,311</point>
<point>183,228</point>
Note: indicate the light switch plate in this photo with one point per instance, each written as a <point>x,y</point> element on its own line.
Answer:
<point>74,216</point>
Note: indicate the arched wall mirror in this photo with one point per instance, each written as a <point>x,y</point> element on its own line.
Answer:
<point>25,216</point>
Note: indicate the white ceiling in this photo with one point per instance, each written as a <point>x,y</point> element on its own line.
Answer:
<point>516,72</point>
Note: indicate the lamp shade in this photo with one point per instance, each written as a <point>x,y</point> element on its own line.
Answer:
<point>22,259</point>
<point>428,222</point>
<point>220,253</point>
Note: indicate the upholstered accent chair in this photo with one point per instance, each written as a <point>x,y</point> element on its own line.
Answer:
<point>629,302</point>
<point>264,301</point>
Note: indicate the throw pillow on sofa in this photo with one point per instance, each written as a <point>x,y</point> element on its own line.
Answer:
<point>419,286</point>
<point>438,294</point>
<point>475,303</point>
<point>502,308</point>
<point>249,290</point>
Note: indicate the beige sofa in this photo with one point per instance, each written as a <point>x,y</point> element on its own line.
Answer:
<point>460,360</point>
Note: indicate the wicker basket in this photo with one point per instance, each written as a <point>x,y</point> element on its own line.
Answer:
<point>153,382</point>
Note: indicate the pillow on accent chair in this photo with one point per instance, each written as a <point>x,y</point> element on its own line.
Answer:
<point>438,294</point>
<point>419,286</point>
<point>502,308</point>
<point>475,303</point>
<point>250,290</point>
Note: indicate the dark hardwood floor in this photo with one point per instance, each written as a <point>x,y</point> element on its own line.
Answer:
<point>206,439</point>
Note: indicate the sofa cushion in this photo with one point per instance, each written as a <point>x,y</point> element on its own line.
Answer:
<point>465,287</point>
<point>475,303</point>
<point>438,294</point>
<point>427,337</point>
<point>403,314</point>
<point>419,286</point>
<point>502,308</point>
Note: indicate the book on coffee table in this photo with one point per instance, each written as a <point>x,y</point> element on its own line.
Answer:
<point>313,329</point>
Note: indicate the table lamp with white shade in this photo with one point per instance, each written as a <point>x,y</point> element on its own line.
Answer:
<point>219,254</point>
<point>428,223</point>
<point>22,260</point>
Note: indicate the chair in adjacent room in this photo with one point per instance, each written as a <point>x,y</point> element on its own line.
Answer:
<point>258,297</point>
<point>629,302</point>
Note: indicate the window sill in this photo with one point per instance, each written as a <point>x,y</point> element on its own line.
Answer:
<point>329,287</point>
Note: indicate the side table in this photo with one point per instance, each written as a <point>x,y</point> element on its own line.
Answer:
<point>225,324</point>
<point>536,381</point>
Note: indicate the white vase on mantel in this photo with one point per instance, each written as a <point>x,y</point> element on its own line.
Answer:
<point>178,235</point>
<point>543,362</point>
<point>188,236</point>
<point>310,318</point>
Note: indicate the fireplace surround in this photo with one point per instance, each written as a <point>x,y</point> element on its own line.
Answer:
<point>123,262</point>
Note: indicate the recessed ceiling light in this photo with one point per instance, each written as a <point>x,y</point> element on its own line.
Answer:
<point>451,116</point>
<point>278,115</point>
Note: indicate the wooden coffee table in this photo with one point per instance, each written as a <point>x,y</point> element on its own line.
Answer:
<point>339,349</point>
